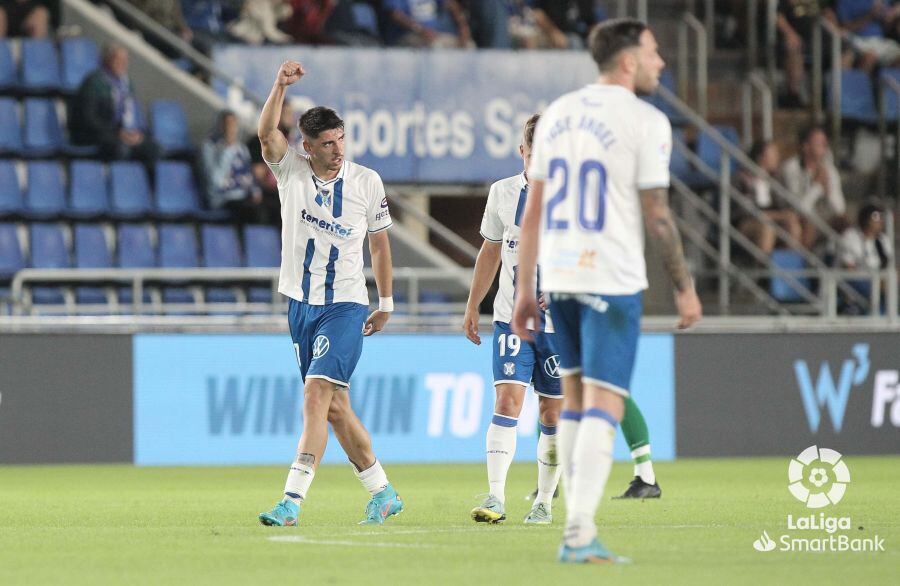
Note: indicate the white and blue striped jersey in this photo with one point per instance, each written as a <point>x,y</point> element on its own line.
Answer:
<point>501,223</point>
<point>595,149</point>
<point>324,224</point>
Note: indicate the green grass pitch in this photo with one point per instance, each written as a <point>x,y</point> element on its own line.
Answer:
<point>125,525</point>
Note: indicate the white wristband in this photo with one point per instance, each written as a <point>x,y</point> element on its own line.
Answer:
<point>386,304</point>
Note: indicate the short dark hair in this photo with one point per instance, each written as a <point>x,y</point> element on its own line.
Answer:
<point>864,217</point>
<point>757,149</point>
<point>530,126</point>
<point>807,133</point>
<point>611,37</point>
<point>317,120</point>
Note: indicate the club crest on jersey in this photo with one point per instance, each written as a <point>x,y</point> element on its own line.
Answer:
<point>509,368</point>
<point>321,345</point>
<point>324,197</point>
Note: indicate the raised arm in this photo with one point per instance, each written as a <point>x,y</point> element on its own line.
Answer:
<point>661,226</point>
<point>274,144</point>
<point>380,250</point>
<point>485,269</point>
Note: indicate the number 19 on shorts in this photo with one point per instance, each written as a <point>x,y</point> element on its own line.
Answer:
<point>509,343</point>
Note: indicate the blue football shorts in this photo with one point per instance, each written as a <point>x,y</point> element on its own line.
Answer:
<point>597,336</point>
<point>520,362</point>
<point>327,339</point>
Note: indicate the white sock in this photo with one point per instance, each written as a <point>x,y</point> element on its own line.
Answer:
<point>643,466</point>
<point>500,449</point>
<point>372,478</point>
<point>567,433</point>
<point>548,465</point>
<point>591,463</point>
<point>298,481</point>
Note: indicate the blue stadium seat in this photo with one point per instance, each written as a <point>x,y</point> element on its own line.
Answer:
<point>781,289</point>
<point>365,19</point>
<point>11,257</point>
<point>40,66</point>
<point>889,96</point>
<point>134,248</point>
<point>91,252</point>
<point>45,196</point>
<point>79,57</point>
<point>48,251</point>
<point>667,81</point>
<point>678,163</point>
<point>177,250</point>
<point>43,135</point>
<point>176,193</point>
<point>10,127</point>
<point>857,97</point>
<point>170,127</point>
<point>431,296</point>
<point>87,190</point>
<point>262,245</point>
<point>221,249</point>
<point>8,77</point>
<point>130,189</point>
<point>11,202</point>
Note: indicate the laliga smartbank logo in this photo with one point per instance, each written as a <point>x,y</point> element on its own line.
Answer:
<point>818,478</point>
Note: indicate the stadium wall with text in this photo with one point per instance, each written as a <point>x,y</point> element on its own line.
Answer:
<point>422,116</point>
<point>236,399</point>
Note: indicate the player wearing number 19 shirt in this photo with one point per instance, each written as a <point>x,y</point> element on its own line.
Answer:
<point>600,165</point>
<point>516,363</point>
<point>328,206</point>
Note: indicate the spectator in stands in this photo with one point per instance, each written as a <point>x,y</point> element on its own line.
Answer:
<point>427,23</point>
<point>864,22</point>
<point>490,20</point>
<point>812,176</point>
<point>564,24</point>
<point>261,172</point>
<point>330,22</point>
<point>796,20</point>
<point>208,19</point>
<point>27,18</point>
<point>167,13</point>
<point>865,247</point>
<point>759,189</point>
<point>258,22</point>
<point>230,183</point>
<point>105,112</point>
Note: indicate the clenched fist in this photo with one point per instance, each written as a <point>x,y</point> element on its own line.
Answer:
<point>289,73</point>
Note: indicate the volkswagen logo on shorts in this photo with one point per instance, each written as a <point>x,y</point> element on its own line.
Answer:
<point>320,347</point>
<point>551,366</point>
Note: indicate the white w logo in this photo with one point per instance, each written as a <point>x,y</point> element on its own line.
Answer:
<point>551,366</point>
<point>320,346</point>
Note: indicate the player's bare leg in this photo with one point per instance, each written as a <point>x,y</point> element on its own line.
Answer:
<point>500,447</point>
<point>317,398</point>
<point>355,440</point>
<point>569,421</point>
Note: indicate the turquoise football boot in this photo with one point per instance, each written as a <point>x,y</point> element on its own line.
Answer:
<point>385,504</point>
<point>284,514</point>
<point>490,511</point>
<point>592,553</point>
<point>539,515</point>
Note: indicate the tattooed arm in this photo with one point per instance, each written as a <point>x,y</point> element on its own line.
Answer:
<point>661,226</point>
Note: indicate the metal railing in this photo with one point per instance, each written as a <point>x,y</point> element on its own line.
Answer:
<point>139,279</point>
<point>142,22</point>
<point>457,242</point>
<point>622,9</point>
<point>888,86</point>
<point>756,83</point>
<point>826,26</point>
<point>689,23</point>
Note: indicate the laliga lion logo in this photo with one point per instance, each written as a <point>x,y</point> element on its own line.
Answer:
<point>551,366</point>
<point>818,477</point>
<point>320,346</point>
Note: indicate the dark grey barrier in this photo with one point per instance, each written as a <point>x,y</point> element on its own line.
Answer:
<point>65,398</point>
<point>775,394</point>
